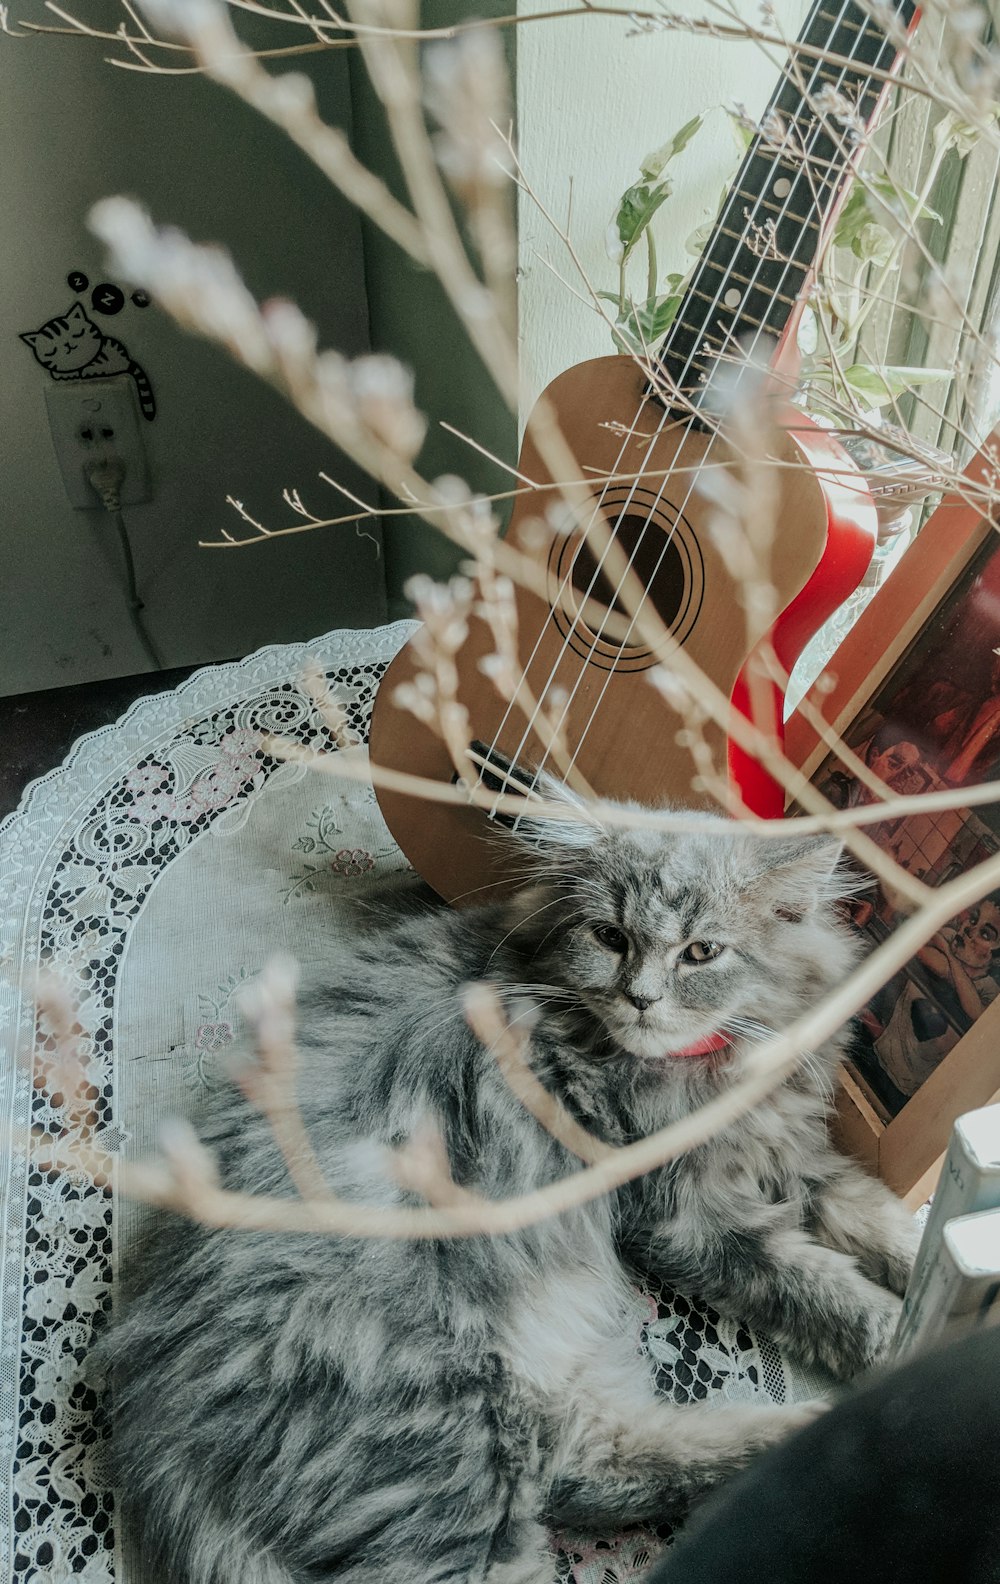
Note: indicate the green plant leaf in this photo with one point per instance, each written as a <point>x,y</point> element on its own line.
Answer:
<point>655,318</point>
<point>636,208</point>
<point>903,204</point>
<point>741,132</point>
<point>654,163</point>
<point>852,217</point>
<point>643,325</point>
<point>639,203</point>
<point>868,208</point>
<point>696,243</point>
<point>951,132</point>
<point>874,244</point>
<point>879,386</point>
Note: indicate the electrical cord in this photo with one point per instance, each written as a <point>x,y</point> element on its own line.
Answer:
<point>106,475</point>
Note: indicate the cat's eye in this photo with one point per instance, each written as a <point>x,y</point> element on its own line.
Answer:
<point>612,937</point>
<point>702,951</point>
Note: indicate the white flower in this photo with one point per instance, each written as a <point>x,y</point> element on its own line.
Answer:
<point>56,1376</point>
<point>46,1300</point>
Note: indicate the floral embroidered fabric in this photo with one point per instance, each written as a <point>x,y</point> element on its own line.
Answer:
<point>157,869</point>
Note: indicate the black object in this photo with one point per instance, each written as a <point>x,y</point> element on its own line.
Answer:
<point>141,299</point>
<point>898,1484</point>
<point>498,774</point>
<point>77,281</point>
<point>107,298</point>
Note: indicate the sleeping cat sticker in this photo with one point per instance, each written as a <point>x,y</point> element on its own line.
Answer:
<point>74,347</point>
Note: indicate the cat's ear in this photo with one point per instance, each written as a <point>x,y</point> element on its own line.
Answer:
<point>78,314</point>
<point>30,337</point>
<point>800,874</point>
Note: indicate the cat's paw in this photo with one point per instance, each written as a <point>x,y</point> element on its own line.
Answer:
<point>859,1345</point>
<point>889,1268</point>
<point>892,1267</point>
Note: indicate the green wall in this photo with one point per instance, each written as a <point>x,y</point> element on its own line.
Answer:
<point>410,316</point>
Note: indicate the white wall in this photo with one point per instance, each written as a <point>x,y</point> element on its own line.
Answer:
<point>592,101</point>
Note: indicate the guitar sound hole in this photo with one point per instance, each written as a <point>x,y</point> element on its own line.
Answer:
<point>656,561</point>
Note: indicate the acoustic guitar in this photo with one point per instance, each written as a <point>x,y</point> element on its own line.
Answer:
<point>584,660</point>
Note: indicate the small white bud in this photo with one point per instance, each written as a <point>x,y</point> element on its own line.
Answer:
<point>561,518</point>
<point>383,392</point>
<point>292,338</point>
<point>675,691</point>
<point>292,94</point>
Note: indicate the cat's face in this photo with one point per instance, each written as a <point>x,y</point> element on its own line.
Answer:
<point>976,939</point>
<point>67,343</point>
<point>668,940</point>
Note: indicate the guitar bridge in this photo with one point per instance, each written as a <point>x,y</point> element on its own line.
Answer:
<point>498,774</point>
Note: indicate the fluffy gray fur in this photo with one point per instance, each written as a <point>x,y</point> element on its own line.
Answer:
<point>293,1409</point>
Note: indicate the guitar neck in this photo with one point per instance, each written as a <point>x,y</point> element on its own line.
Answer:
<point>767,237</point>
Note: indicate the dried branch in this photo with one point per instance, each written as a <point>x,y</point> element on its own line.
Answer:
<point>331,711</point>
<point>607,815</point>
<point>485,1016</point>
<point>269,1080</point>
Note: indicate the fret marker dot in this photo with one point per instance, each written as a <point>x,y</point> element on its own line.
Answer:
<point>732,298</point>
<point>782,187</point>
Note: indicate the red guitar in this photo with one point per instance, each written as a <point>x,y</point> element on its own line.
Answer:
<point>584,661</point>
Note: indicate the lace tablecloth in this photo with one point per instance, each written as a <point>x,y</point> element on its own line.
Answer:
<point>159,867</point>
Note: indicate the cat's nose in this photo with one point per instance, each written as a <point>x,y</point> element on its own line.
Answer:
<point>641,1003</point>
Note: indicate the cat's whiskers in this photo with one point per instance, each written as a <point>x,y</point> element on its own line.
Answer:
<point>566,919</point>
<point>758,1033</point>
<point>491,885</point>
<point>530,986</point>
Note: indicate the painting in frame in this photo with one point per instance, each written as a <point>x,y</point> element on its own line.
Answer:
<point>916,695</point>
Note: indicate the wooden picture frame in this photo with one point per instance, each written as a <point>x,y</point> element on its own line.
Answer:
<point>915,687</point>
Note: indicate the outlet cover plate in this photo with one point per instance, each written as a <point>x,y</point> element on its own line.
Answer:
<point>90,419</point>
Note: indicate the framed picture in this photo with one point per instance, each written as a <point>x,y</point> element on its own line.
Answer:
<point>916,696</point>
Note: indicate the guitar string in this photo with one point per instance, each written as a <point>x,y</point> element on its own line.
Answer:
<point>752,284</point>
<point>668,416</point>
<point>564,586</point>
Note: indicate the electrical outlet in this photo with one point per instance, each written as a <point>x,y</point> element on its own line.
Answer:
<point>92,419</point>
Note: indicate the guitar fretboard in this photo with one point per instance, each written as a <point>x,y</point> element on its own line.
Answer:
<point>766,239</point>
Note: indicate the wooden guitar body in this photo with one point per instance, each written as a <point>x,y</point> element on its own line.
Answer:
<point>618,728</point>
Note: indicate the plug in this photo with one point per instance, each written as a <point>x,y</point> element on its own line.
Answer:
<point>107,475</point>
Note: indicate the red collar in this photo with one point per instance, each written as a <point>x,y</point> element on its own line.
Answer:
<point>705,1046</point>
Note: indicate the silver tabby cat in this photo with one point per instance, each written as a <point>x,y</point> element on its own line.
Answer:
<point>291,1409</point>
<point>73,347</point>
